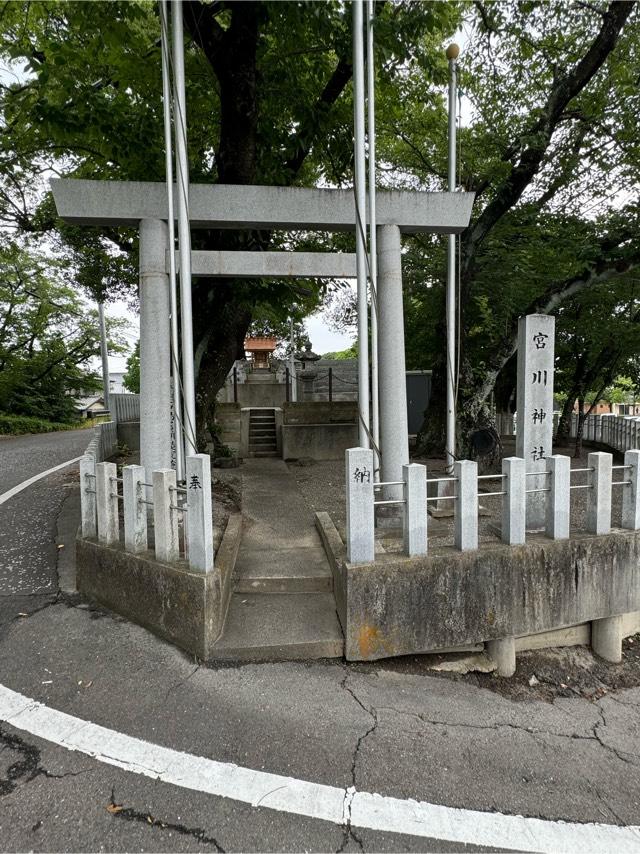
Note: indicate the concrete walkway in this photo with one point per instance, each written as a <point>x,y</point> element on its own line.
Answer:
<point>283,605</point>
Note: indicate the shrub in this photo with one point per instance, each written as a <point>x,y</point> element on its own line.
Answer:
<point>16,425</point>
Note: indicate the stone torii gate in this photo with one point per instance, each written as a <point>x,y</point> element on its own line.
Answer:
<point>144,204</point>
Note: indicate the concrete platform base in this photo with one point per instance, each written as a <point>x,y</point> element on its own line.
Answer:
<point>503,653</point>
<point>184,607</point>
<point>402,606</point>
<point>280,627</point>
<point>303,570</point>
<point>606,638</point>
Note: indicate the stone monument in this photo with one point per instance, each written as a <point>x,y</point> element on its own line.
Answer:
<point>534,431</point>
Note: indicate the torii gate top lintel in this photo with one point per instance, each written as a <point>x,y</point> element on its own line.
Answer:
<point>240,206</point>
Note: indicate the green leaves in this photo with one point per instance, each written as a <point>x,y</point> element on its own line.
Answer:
<point>47,336</point>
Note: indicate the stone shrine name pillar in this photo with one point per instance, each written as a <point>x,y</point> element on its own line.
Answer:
<point>394,428</point>
<point>534,433</point>
<point>155,349</point>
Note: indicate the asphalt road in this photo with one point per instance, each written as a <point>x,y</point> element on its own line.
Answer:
<point>406,735</point>
<point>28,520</point>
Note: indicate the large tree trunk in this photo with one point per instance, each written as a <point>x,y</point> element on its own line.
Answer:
<point>221,308</point>
<point>564,424</point>
<point>580,428</point>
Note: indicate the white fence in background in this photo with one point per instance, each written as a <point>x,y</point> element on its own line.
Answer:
<point>621,432</point>
<point>124,407</point>
<point>507,423</point>
<point>102,492</point>
<point>104,443</point>
<point>559,477</point>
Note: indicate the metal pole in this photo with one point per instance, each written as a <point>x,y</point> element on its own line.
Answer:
<point>287,380</point>
<point>292,366</point>
<point>184,233</point>
<point>450,448</point>
<point>373,257</point>
<point>168,149</point>
<point>360,187</point>
<point>104,355</point>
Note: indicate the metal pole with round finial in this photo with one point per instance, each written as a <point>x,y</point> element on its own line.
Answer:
<point>452,54</point>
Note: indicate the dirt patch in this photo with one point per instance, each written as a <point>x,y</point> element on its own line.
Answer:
<point>542,674</point>
<point>226,497</point>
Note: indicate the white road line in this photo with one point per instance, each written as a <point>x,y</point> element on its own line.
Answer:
<point>301,797</point>
<point>25,483</point>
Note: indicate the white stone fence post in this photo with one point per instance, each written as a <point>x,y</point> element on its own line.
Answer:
<point>100,496</point>
<point>361,503</point>
<point>359,474</point>
<point>199,523</point>
<point>88,513</point>
<point>107,503</point>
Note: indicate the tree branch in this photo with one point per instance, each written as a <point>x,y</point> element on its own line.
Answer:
<point>200,20</point>
<point>302,141</point>
<point>564,89</point>
<point>547,302</point>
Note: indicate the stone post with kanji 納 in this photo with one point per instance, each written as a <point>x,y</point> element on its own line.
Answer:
<point>534,433</point>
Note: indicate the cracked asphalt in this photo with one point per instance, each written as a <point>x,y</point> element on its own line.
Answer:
<point>375,728</point>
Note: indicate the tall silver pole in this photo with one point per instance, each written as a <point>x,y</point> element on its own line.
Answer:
<point>361,201</point>
<point>450,449</point>
<point>292,366</point>
<point>175,369</point>
<point>184,233</point>
<point>373,256</point>
<point>104,355</point>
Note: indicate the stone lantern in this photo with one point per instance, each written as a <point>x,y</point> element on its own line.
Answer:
<point>309,371</point>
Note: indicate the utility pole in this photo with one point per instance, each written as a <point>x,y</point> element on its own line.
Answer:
<point>360,188</point>
<point>373,258</point>
<point>292,365</point>
<point>184,233</point>
<point>450,448</point>
<point>104,355</point>
<point>175,360</point>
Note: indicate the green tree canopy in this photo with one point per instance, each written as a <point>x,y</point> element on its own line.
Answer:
<point>47,338</point>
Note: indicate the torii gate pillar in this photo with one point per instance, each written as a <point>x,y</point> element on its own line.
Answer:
<point>394,430</point>
<point>155,348</point>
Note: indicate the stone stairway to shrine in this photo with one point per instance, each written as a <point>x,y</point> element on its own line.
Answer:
<point>282,606</point>
<point>262,433</point>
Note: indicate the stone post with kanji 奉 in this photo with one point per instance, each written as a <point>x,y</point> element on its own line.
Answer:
<point>534,433</point>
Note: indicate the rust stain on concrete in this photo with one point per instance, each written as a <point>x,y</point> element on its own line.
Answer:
<point>371,642</point>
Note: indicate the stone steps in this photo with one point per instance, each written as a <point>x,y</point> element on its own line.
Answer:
<point>300,570</point>
<point>262,433</point>
<point>280,627</point>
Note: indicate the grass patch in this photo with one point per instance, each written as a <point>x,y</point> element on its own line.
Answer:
<point>18,425</point>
